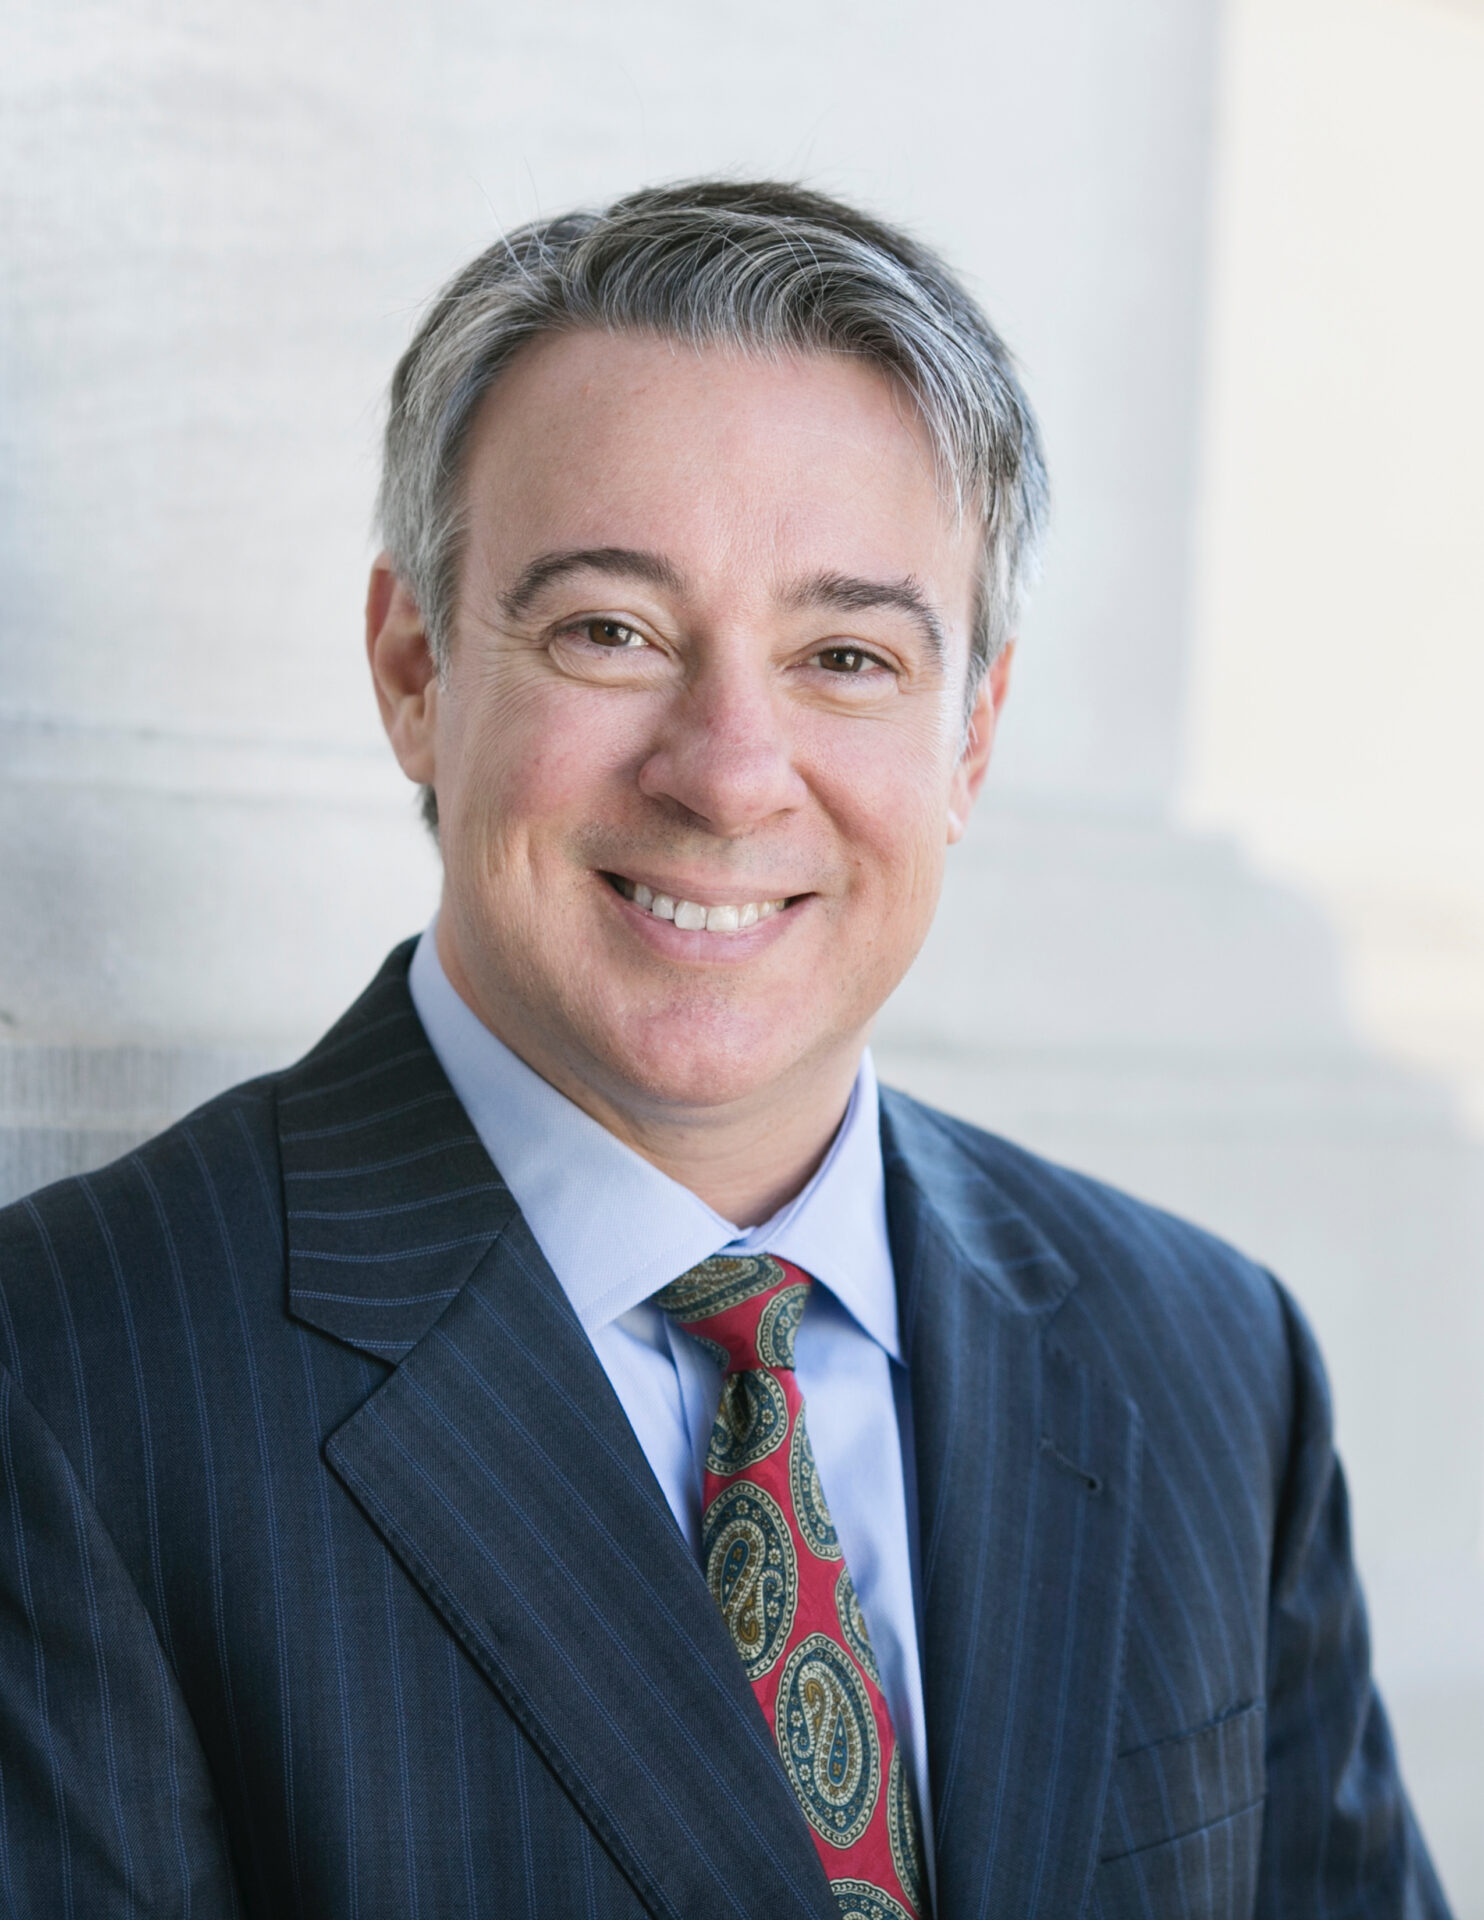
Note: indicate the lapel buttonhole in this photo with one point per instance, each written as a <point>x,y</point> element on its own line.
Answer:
<point>1055,1455</point>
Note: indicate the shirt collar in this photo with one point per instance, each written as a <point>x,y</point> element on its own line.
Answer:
<point>613,1228</point>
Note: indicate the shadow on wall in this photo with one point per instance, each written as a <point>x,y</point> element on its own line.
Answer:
<point>1133,1002</point>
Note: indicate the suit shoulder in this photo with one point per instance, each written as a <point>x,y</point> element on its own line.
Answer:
<point>227,1148</point>
<point>1127,1260</point>
<point>1201,1339</point>
<point>237,1121</point>
<point>79,1255</point>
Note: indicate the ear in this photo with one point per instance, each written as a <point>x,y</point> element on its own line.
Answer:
<point>402,670</point>
<point>984,716</point>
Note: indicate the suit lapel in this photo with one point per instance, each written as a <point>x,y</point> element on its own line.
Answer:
<point>498,1466</point>
<point>1027,1493</point>
<point>390,1200</point>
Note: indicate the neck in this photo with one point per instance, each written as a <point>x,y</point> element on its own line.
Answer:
<point>745,1158</point>
<point>745,1166</point>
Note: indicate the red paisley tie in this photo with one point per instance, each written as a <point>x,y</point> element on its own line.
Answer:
<point>774,1565</point>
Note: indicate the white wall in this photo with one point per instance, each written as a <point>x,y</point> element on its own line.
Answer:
<point>1338,664</point>
<point>1337,682</point>
<point>222,222</point>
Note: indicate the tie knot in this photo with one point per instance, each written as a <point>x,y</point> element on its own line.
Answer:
<point>747,1307</point>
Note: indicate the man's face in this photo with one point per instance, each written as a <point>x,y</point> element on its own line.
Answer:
<point>700,745</point>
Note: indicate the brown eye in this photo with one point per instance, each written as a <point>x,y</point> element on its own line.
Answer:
<point>612,634</point>
<point>845,659</point>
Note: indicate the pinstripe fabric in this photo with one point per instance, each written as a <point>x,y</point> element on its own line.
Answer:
<point>1141,1425</point>
<point>333,1582</point>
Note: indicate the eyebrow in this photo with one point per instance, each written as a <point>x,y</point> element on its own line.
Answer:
<point>848,593</point>
<point>844,592</point>
<point>632,562</point>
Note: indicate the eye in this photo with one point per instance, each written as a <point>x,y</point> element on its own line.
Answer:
<point>846,659</point>
<point>612,635</point>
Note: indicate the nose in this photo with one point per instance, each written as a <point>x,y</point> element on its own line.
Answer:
<point>725,754</point>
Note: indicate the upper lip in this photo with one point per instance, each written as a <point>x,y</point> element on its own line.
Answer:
<point>727,893</point>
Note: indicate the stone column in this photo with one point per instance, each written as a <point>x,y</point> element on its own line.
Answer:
<point>219,227</point>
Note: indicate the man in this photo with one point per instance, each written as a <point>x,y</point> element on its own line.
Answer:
<point>570,1445</point>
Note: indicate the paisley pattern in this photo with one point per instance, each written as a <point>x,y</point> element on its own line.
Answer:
<point>775,1569</point>
<point>827,1735</point>
<point>779,1324</point>
<point>810,1511</point>
<point>853,1624</point>
<point>719,1284</point>
<point>901,1828</point>
<point>753,1573</point>
<point>752,1421</point>
<point>860,1901</point>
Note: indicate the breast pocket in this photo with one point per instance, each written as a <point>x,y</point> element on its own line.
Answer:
<point>1184,1825</point>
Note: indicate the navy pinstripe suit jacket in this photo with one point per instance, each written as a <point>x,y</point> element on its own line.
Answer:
<point>333,1581</point>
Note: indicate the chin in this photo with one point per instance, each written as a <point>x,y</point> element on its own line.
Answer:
<point>699,1069</point>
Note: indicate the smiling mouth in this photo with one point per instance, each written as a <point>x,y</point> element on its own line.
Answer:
<point>689,915</point>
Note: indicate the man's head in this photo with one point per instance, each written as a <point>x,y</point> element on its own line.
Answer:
<point>706,522</point>
<point>765,268</point>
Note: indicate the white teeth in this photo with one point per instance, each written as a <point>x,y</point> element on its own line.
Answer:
<point>692,917</point>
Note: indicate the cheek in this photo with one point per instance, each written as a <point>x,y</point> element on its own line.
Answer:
<point>888,791</point>
<point>531,756</point>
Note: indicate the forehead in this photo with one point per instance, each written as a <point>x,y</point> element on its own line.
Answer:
<point>724,462</point>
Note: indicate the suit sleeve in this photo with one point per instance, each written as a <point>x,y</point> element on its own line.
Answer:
<point>1339,1837</point>
<point>106,1803</point>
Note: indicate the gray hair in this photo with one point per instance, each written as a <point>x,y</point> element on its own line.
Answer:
<point>767,268</point>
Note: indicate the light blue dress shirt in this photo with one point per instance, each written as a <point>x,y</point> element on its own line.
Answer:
<point>614,1230</point>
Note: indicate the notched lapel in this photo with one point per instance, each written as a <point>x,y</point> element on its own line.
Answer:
<point>390,1200</point>
<point>499,1467</point>
<point>1027,1472</point>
